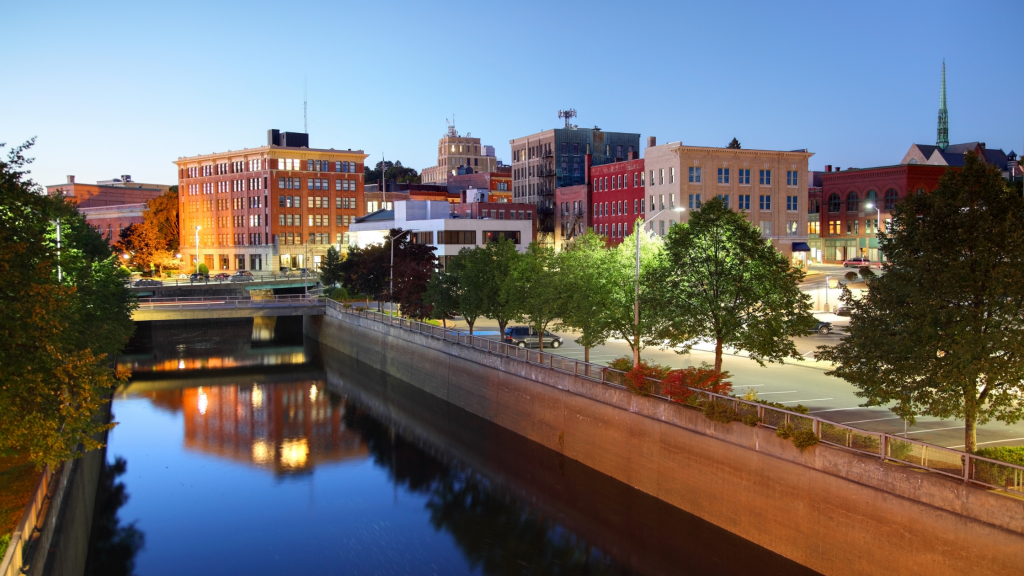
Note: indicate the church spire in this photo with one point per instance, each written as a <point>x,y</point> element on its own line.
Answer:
<point>943,137</point>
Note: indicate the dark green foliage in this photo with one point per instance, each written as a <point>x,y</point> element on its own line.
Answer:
<point>850,276</point>
<point>735,144</point>
<point>942,331</point>
<point>392,171</point>
<point>112,545</point>
<point>1008,454</point>
<point>203,268</point>
<point>444,295</point>
<point>721,281</point>
<point>586,296</point>
<point>720,412</point>
<point>804,439</point>
<point>330,268</point>
<point>751,419</point>
<point>535,283</point>
<point>784,431</point>
<point>866,272</point>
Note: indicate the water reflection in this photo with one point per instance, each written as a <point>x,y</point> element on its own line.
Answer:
<point>112,545</point>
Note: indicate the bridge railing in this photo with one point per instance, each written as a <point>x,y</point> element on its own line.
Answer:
<point>258,277</point>
<point>227,302</point>
<point>962,466</point>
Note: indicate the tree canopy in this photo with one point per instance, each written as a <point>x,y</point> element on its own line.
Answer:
<point>622,287</point>
<point>330,268</point>
<point>57,331</point>
<point>721,281</point>
<point>392,171</point>
<point>586,296</point>
<point>162,216</point>
<point>536,280</point>
<point>941,332</point>
<point>734,144</point>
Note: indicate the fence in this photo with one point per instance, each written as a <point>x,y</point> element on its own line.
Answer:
<point>192,303</point>
<point>960,465</point>
<point>310,279</point>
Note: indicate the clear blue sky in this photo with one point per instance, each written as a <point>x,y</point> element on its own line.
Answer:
<point>127,87</point>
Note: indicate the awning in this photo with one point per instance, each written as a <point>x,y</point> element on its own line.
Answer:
<point>801,247</point>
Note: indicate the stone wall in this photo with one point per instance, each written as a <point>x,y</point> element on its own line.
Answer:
<point>834,511</point>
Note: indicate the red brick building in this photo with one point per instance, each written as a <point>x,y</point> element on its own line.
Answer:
<point>851,200</point>
<point>110,206</point>
<point>618,198</point>
<point>498,183</point>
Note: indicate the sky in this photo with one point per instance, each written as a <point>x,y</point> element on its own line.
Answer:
<point>117,88</point>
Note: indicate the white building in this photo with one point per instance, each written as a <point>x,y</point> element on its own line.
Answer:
<point>433,222</point>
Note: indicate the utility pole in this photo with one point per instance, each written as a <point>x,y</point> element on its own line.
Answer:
<point>197,247</point>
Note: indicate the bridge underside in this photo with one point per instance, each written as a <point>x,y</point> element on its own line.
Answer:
<point>215,313</point>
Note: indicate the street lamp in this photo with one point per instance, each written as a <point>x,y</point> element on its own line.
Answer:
<point>197,247</point>
<point>878,222</point>
<point>391,289</point>
<point>636,284</point>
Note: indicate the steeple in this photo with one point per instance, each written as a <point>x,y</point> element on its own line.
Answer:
<point>943,138</point>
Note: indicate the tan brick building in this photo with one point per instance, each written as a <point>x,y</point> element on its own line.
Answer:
<point>454,150</point>
<point>283,204</point>
<point>767,185</point>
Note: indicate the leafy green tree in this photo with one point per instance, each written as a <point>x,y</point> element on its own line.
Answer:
<point>941,333</point>
<point>59,330</point>
<point>444,295</point>
<point>330,268</point>
<point>622,286</point>
<point>203,268</point>
<point>535,278</point>
<point>735,144</point>
<point>413,265</point>
<point>365,271</point>
<point>721,281</point>
<point>485,274</point>
<point>392,171</point>
<point>586,290</point>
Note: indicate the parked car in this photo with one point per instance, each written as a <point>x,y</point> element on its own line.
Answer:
<point>842,311</point>
<point>822,328</point>
<point>147,282</point>
<point>526,337</point>
<point>198,277</point>
<point>222,276</point>
<point>182,276</point>
<point>856,263</point>
<point>303,271</point>
<point>286,270</point>
<point>242,276</point>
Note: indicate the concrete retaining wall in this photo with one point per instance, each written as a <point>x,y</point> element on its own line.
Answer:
<point>831,510</point>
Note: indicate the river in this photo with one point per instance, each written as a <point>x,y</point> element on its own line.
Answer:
<point>241,449</point>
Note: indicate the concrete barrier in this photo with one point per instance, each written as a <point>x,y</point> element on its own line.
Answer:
<point>834,511</point>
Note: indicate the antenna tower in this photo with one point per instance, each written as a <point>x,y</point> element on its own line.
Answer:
<point>568,115</point>
<point>305,124</point>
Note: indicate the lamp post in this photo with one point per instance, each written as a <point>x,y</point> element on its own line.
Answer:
<point>198,228</point>
<point>391,288</point>
<point>636,285</point>
<point>878,223</point>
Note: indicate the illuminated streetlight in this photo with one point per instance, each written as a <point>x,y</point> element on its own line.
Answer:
<point>198,228</point>
<point>636,285</point>
<point>878,222</point>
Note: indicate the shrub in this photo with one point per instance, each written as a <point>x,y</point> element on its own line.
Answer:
<point>679,384</point>
<point>1008,454</point>
<point>785,431</point>
<point>339,294</point>
<point>804,439</point>
<point>639,379</point>
<point>850,276</point>
<point>866,273</point>
<point>751,419</point>
<point>203,269</point>
<point>994,473</point>
<point>347,305</point>
<point>718,411</point>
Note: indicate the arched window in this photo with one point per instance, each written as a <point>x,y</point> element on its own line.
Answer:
<point>852,202</point>
<point>871,198</point>
<point>834,202</point>
<point>890,198</point>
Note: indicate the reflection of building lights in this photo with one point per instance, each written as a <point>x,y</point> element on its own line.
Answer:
<point>262,452</point>
<point>203,401</point>
<point>294,453</point>
<point>313,393</point>
<point>181,364</point>
<point>257,397</point>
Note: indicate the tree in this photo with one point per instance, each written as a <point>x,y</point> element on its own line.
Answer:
<point>59,329</point>
<point>485,275</point>
<point>142,244</point>
<point>330,268</point>
<point>443,295</point>
<point>734,145</point>
<point>941,333</point>
<point>413,265</point>
<point>586,290</point>
<point>721,281</point>
<point>535,279</point>
<point>392,171</point>
<point>161,215</point>
<point>622,287</point>
<point>365,271</point>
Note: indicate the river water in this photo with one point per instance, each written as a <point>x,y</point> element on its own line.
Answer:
<point>242,449</point>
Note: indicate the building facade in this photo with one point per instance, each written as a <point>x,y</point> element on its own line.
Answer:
<point>110,206</point>
<point>282,204</point>
<point>856,202</point>
<point>548,160</point>
<point>498,184</point>
<point>618,198</point>
<point>455,150</point>
<point>768,186</point>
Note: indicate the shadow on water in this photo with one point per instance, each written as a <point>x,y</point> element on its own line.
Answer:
<point>112,545</point>
<point>516,507</point>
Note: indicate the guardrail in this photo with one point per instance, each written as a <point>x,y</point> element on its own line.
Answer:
<point>310,279</point>
<point>227,302</point>
<point>968,468</point>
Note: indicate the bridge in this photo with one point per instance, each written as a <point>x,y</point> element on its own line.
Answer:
<point>204,308</point>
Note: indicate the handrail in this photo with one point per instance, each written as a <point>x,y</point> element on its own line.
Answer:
<point>227,302</point>
<point>968,468</point>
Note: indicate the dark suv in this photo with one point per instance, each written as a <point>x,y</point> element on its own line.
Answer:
<point>822,328</point>
<point>526,337</point>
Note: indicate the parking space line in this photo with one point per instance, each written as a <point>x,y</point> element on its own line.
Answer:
<point>929,430</point>
<point>785,392</point>
<point>989,442</point>
<point>810,400</point>
<point>873,420</point>
<point>838,409</point>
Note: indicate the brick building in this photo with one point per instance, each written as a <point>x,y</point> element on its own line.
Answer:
<point>497,183</point>
<point>282,204</point>
<point>110,205</point>
<point>618,198</point>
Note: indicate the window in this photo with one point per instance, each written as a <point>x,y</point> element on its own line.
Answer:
<point>635,203</point>
<point>744,176</point>
<point>871,198</point>
<point>723,175</point>
<point>791,228</point>
<point>694,201</point>
<point>661,176</point>
<point>791,203</point>
<point>834,203</point>
<point>694,174</point>
<point>766,227</point>
<point>766,202</point>
<point>744,202</point>
<point>661,201</point>
<point>661,227</point>
<point>456,237</point>
<point>833,228</point>
<point>671,175</point>
<point>791,178</point>
<point>852,202</point>
<point>725,199</point>
<point>890,198</point>
<point>766,177</point>
<point>813,228</point>
<point>652,178</point>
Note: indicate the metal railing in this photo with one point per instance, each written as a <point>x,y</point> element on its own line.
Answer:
<point>199,302</point>
<point>311,278</point>
<point>887,447</point>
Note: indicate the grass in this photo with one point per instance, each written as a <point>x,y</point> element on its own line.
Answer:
<point>18,478</point>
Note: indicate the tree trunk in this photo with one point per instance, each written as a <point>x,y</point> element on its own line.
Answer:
<point>718,356</point>
<point>470,326</point>
<point>970,427</point>
<point>540,339</point>
<point>501,326</point>
<point>586,354</point>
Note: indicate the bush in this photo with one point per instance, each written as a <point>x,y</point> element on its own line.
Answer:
<point>866,273</point>
<point>850,276</point>
<point>720,412</point>
<point>339,294</point>
<point>785,431</point>
<point>751,419</point>
<point>203,269</point>
<point>5,540</point>
<point>638,379</point>
<point>994,473</point>
<point>679,384</point>
<point>1008,454</point>
<point>804,439</point>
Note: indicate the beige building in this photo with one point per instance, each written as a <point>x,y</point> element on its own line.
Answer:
<point>454,150</point>
<point>767,185</point>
